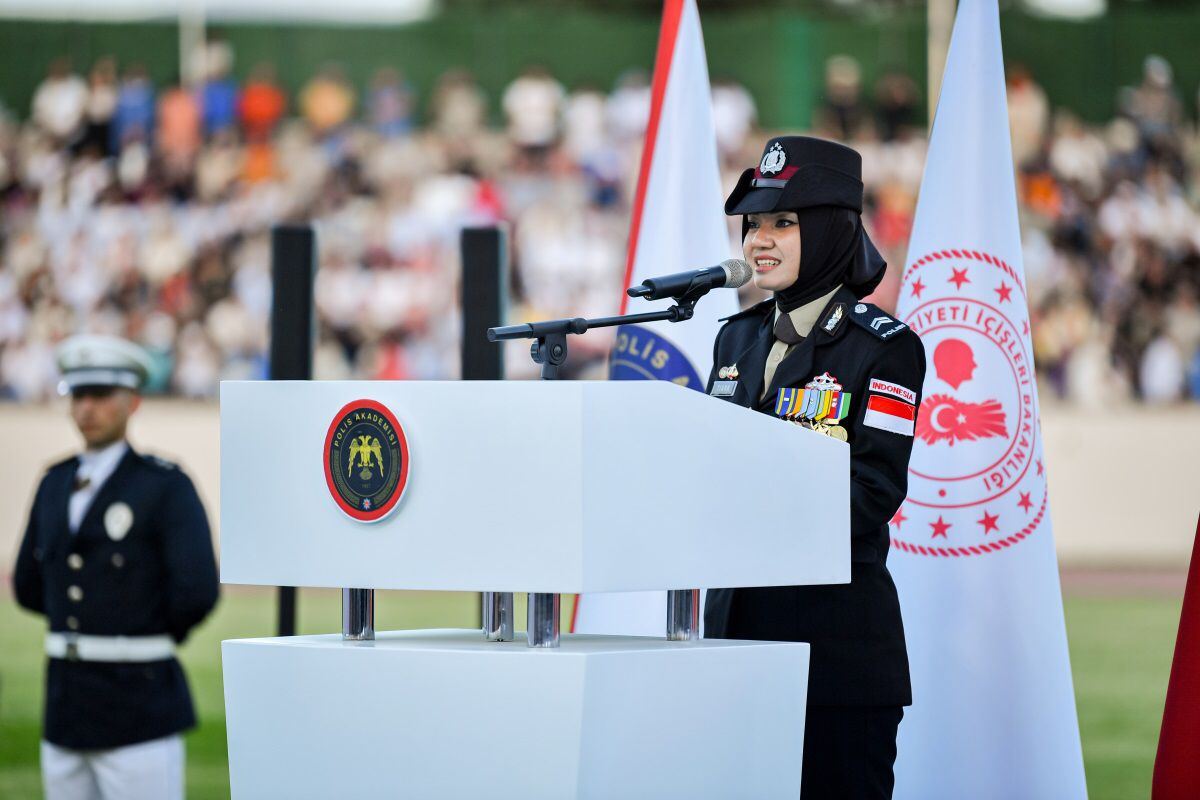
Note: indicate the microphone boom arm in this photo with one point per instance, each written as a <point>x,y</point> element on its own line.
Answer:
<point>550,346</point>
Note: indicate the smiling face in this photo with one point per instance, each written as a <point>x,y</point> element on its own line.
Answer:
<point>772,248</point>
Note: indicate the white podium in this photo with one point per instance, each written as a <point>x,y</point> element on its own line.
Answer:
<point>523,487</point>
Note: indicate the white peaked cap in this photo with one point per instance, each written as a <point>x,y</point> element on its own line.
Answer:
<point>95,360</point>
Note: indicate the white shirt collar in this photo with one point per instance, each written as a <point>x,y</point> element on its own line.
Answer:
<point>97,465</point>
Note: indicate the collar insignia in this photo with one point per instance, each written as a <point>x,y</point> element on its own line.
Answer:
<point>834,320</point>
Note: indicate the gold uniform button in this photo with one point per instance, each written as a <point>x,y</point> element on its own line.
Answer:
<point>73,623</point>
<point>75,561</point>
<point>75,593</point>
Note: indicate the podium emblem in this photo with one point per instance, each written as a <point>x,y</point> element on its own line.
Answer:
<point>366,460</point>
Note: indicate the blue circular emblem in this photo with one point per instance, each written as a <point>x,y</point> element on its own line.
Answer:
<point>641,354</point>
<point>366,460</point>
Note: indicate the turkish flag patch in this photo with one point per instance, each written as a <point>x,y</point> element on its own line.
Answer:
<point>889,414</point>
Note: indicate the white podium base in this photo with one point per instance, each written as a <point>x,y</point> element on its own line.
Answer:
<point>446,714</point>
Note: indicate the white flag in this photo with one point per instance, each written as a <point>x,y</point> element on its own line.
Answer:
<point>993,712</point>
<point>678,224</point>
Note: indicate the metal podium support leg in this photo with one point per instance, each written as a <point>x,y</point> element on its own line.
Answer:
<point>683,614</point>
<point>498,616</point>
<point>358,615</point>
<point>542,620</point>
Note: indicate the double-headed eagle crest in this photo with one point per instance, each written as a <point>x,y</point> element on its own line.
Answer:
<point>365,447</point>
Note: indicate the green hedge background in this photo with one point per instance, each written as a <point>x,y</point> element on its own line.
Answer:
<point>776,52</point>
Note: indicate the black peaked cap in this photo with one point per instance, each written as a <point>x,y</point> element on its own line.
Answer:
<point>798,172</point>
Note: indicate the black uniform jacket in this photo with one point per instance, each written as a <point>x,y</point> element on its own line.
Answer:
<point>857,636</point>
<point>159,577</point>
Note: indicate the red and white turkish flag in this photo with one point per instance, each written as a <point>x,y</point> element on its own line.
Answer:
<point>993,712</point>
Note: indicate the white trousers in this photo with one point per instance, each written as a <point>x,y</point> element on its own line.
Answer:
<point>145,771</point>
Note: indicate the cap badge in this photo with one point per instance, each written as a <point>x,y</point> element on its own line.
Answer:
<point>773,160</point>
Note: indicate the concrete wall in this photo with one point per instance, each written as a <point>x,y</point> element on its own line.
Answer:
<point>36,436</point>
<point>1124,487</point>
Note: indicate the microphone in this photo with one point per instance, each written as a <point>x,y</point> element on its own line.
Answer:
<point>730,273</point>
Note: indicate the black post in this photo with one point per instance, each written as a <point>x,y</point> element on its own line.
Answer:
<point>484,301</point>
<point>293,272</point>
<point>484,305</point>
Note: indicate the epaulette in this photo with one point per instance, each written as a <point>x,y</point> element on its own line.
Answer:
<point>876,321</point>
<point>752,310</point>
<point>161,463</point>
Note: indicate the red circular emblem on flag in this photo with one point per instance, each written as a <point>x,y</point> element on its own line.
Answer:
<point>366,460</point>
<point>976,480</point>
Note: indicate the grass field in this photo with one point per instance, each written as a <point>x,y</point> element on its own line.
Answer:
<point>1121,647</point>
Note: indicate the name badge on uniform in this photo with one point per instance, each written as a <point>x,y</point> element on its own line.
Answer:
<point>724,388</point>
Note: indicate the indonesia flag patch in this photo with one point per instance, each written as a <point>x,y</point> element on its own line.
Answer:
<point>890,415</point>
<point>894,389</point>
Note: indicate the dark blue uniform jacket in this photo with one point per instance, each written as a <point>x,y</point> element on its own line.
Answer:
<point>159,578</point>
<point>858,653</point>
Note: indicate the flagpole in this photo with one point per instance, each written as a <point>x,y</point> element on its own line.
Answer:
<point>939,15</point>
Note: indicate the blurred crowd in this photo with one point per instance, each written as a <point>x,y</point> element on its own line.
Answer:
<point>145,211</point>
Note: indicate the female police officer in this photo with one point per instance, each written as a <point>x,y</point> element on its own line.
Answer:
<point>816,354</point>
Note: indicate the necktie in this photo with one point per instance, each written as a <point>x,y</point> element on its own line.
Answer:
<point>785,331</point>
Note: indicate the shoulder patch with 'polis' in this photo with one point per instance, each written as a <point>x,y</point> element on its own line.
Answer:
<point>366,460</point>
<point>876,321</point>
